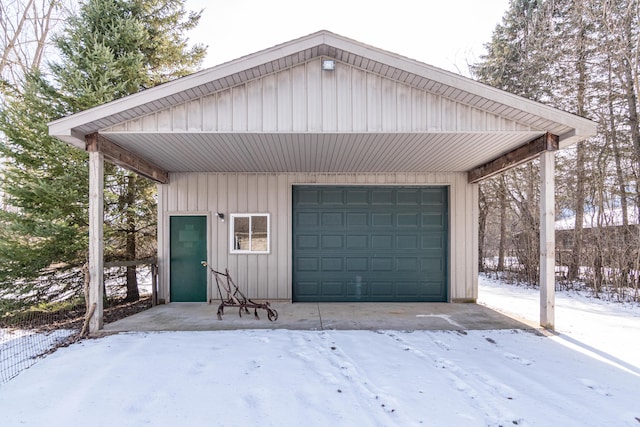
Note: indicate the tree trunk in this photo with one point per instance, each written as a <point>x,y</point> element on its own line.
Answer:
<point>133,293</point>
<point>483,209</point>
<point>574,265</point>
<point>503,222</point>
<point>613,137</point>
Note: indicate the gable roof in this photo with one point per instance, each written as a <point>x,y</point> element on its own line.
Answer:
<point>277,111</point>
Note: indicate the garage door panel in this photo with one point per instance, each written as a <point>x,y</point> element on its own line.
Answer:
<point>382,197</point>
<point>332,197</point>
<point>409,197</point>
<point>433,220</point>
<point>357,219</point>
<point>433,196</point>
<point>332,264</point>
<point>407,242</point>
<point>407,220</point>
<point>306,289</point>
<point>308,264</point>
<point>433,241</point>
<point>381,289</point>
<point>307,219</point>
<point>408,264</point>
<point>332,289</point>
<point>333,219</point>
<point>380,264</point>
<point>433,289</point>
<point>434,265</point>
<point>332,242</point>
<point>308,197</point>
<point>358,242</point>
<point>409,289</point>
<point>382,241</point>
<point>357,290</point>
<point>382,219</point>
<point>306,241</point>
<point>357,197</point>
<point>370,244</point>
<point>357,264</point>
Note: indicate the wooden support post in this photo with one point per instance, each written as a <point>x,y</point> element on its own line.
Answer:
<point>547,240</point>
<point>96,234</point>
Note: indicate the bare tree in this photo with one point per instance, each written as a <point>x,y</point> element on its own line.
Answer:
<point>25,28</point>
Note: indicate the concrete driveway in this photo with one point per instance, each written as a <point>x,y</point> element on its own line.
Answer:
<point>321,316</point>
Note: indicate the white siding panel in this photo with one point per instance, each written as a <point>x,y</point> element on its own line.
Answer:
<point>270,104</point>
<point>134,125</point>
<point>254,106</point>
<point>359,100</point>
<point>478,119</point>
<point>314,96</point>
<point>463,114</point>
<point>222,206</point>
<point>164,120</point>
<point>225,110</point>
<point>239,115</point>
<point>194,115</point>
<point>449,115</point>
<point>268,276</point>
<point>434,107</point>
<point>209,113</point>
<point>374,103</point>
<point>299,98</point>
<point>179,118</point>
<point>389,107</point>
<point>419,111</point>
<point>282,240</point>
<point>404,102</point>
<point>329,101</point>
<point>343,98</point>
<point>285,117</point>
<point>192,192</point>
<point>150,123</point>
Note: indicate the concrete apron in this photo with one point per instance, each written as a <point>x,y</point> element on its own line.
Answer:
<point>320,316</point>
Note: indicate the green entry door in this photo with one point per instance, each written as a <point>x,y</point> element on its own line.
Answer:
<point>188,246</point>
<point>370,243</point>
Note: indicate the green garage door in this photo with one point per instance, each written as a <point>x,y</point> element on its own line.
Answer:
<point>370,243</point>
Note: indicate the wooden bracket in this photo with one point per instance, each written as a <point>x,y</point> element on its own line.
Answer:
<point>522,154</point>
<point>122,157</point>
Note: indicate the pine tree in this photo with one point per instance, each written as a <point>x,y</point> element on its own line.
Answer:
<point>44,227</point>
<point>110,49</point>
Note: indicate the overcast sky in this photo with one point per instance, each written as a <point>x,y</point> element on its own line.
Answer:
<point>444,33</point>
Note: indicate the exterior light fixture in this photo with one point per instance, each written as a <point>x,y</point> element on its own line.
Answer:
<point>328,64</point>
<point>220,216</point>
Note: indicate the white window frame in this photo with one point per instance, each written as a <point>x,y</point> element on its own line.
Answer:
<point>232,241</point>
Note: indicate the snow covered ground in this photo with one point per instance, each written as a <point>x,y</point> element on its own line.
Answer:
<point>587,375</point>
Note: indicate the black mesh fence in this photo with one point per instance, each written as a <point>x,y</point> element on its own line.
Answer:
<point>29,335</point>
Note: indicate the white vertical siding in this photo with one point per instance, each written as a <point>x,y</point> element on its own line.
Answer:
<point>269,276</point>
<point>304,98</point>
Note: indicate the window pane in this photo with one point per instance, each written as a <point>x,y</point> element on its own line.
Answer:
<point>241,233</point>
<point>259,236</point>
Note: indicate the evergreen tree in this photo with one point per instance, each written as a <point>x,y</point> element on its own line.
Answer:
<point>44,225</point>
<point>110,49</point>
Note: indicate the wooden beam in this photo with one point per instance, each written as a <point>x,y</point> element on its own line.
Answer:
<point>125,158</point>
<point>522,154</point>
<point>547,240</point>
